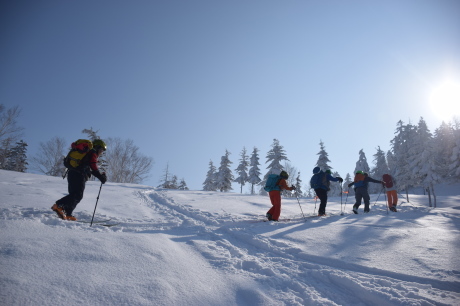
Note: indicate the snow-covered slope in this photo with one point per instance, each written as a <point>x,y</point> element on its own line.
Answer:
<point>208,248</point>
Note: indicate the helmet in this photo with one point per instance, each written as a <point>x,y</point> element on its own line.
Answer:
<point>284,175</point>
<point>328,171</point>
<point>359,172</point>
<point>99,143</point>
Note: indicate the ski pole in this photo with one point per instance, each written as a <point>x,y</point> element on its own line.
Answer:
<point>341,191</point>
<point>386,202</point>
<point>316,199</point>
<point>300,207</point>
<point>378,197</point>
<point>346,199</point>
<point>96,205</point>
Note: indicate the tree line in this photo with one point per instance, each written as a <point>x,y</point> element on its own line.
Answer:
<point>417,159</point>
<point>123,163</point>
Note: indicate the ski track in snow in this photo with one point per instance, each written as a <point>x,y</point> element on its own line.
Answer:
<point>232,244</point>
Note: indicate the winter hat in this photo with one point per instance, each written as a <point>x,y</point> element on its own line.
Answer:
<point>284,175</point>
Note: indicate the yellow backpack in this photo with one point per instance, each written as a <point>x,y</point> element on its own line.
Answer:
<point>78,150</point>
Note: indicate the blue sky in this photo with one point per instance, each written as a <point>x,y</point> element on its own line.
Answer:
<point>186,80</point>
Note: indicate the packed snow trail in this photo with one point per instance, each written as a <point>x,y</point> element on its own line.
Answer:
<point>238,248</point>
<point>409,258</point>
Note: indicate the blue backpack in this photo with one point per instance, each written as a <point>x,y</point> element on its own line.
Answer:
<point>271,183</point>
<point>318,180</point>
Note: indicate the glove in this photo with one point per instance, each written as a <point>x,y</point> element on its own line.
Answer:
<point>340,179</point>
<point>349,185</point>
<point>293,188</point>
<point>102,177</point>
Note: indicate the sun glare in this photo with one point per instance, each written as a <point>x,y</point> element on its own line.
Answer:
<point>445,100</point>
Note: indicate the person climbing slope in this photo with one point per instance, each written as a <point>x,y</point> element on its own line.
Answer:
<point>275,184</point>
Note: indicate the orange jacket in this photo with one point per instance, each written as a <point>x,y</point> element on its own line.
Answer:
<point>283,185</point>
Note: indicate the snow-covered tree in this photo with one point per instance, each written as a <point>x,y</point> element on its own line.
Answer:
<point>49,159</point>
<point>298,186</point>
<point>165,181</point>
<point>224,177</point>
<point>92,135</point>
<point>274,158</point>
<point>17,157</point>
<point>420,153</point>
<point>182,185</point>
<point>242,169</point>
<point>10,132</point>
<point>336,187</point>
<point>362,164</point>
<point>125,164</point>
<point>323,159</point>
<point>254,171</point>
<point>381,168</point>
<point>348,179</point>
<point>444,144</point>
<point>391,161</point>
<point>401,144</point>
<point>291,171</point>
<point>455,156</point>
<point>209,183</point>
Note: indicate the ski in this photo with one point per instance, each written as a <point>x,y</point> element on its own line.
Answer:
<point>96,221</point>
<point>266,220</point>
<point>108,225</point>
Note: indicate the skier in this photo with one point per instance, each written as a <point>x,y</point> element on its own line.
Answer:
<point>77,178</point>
<point>390,188</point>
<point>274,212</point>
<point>320,182</point>
<point>360,182</point>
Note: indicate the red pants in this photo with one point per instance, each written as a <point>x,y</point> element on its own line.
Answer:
<point>275,198</point>
<point>392,198</point>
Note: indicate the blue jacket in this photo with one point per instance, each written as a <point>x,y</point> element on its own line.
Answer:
<point>325,184</point>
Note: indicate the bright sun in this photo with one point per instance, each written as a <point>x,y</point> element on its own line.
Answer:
<point>445,100</point>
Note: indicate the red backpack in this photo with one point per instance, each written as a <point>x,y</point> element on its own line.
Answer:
<point>78,150</point>
<point>388,180</point>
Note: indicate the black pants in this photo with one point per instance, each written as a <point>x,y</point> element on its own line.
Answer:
<point>322,195</point>
<point>76,181</point>
<point>361,193</point>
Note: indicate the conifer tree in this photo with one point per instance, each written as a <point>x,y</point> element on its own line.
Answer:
<point>224,176</point>
<point>298,186</point>
<point>166,178</point>
<point>455,156</point>
<point>274,158</point>
<point>174,184</point>
<point>400,148</point>
<point>444,144</point>
<point>391,161</point>
<point>10,132</point>
<point>335,188</point>
<point>291,171</point>
<point>182,185</point>
<point>323,158</point>
<point>254,171</point>
<point>17,157</point>
<point>362,164</point>
<point>348,180</point>
<point>242,170</point>
<point>381,168</point>
<point>210,182</point>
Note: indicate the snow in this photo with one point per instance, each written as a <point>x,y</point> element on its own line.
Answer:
<point>210,248</point>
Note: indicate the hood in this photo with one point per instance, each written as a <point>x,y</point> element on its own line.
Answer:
<point>316,170</point>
